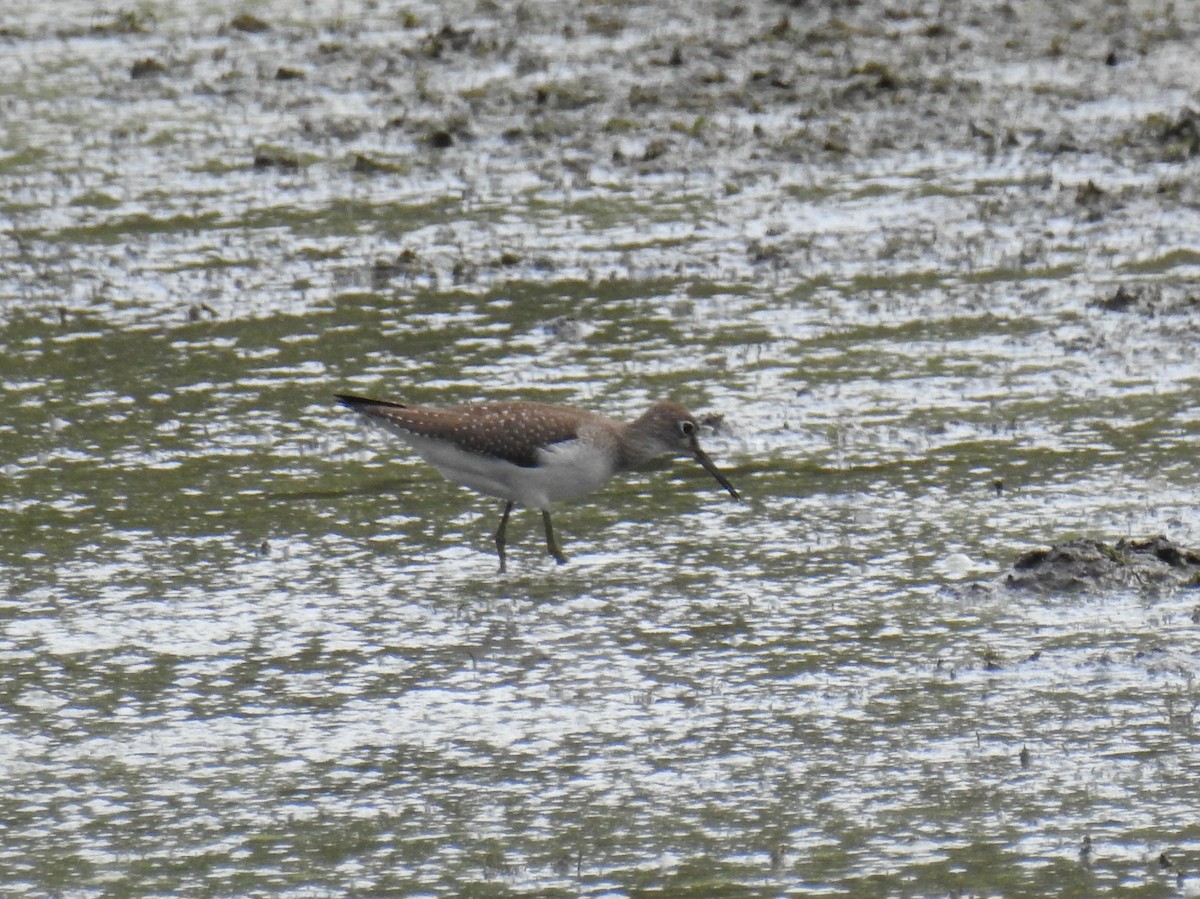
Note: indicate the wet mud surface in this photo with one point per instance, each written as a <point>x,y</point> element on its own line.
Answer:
<point>933,270</point>
<point>1149,564</point>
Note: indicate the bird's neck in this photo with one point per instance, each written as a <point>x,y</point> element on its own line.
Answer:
<point>637,447</point>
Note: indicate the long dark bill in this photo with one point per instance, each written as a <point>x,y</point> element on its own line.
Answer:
<point>712,469</point>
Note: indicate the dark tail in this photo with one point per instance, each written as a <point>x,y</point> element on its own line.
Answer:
<point>362,404</point>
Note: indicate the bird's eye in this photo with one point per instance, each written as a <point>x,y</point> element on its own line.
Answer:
<point>687,428</point>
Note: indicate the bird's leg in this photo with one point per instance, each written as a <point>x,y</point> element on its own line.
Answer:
<point>508,507</point>
<point>551,543</point>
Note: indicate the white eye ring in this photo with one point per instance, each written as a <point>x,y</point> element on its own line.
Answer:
<point>687,428</point>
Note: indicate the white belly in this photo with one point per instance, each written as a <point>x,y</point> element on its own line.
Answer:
<point>565,471</point>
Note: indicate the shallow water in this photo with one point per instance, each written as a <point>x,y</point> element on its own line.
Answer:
<point>252,648</point>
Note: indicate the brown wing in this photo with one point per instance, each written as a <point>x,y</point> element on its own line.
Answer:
<point>510,431</point>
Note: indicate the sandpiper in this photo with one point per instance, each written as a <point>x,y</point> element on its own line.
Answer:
<point>532,454</point>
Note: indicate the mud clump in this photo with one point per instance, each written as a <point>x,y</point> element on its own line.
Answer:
<point>1094,566</point>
